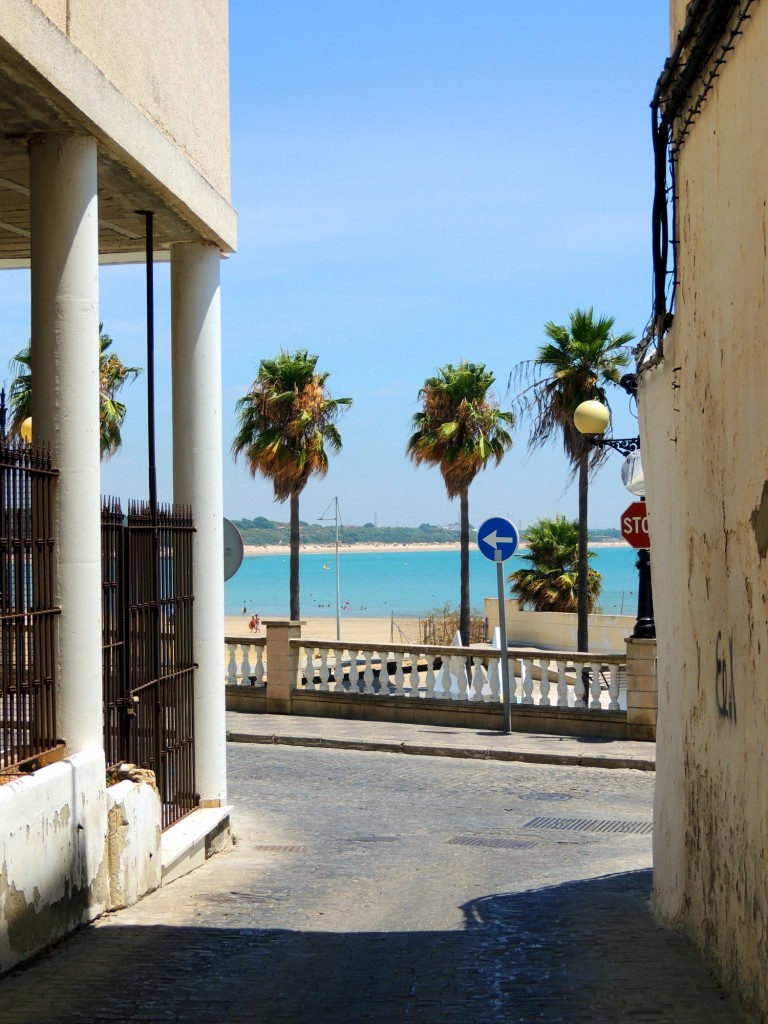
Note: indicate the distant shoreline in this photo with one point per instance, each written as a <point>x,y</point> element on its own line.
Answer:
<point>254,550</point>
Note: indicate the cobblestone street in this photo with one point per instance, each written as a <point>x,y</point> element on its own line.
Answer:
<point>380,887</point>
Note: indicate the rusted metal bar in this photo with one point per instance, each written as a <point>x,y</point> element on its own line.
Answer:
<point>28,615</point>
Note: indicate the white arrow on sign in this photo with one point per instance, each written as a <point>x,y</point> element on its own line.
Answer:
<point>493,540</point>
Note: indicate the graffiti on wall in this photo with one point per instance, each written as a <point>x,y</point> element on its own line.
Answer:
<point>724,689</point>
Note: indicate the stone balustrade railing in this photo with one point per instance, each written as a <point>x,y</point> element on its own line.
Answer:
<point>541,678</point>
<point>246,661</point>
<point>611,695</point>
<point>544,679</point>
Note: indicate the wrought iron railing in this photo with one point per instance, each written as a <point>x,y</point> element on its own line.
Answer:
<point>148,662</point>
<point>28,615</point>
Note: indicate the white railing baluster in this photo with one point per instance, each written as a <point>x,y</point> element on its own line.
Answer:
<point>245,664</point>
<point>613,688</point>
<point>354,674</point>
<point>562,683</point>
<point>459,682</point>
<point>413,689</point>
<point>512,663</point>
<point>527,680</point>
<point>309,667</point>
<point>494,680</point>
<point>383,674</point>
<point>337,669</point>
<point>368,673</point>
<point>544,683</point>
<point>399,674</point>
<point>429,679</point>
<point>595,686</point>
<point>261,667</point>
<point>580,697</point>
<point>232,665</point>
<point>324,671</point>
<point>480,684</point>
<point>440,689</point>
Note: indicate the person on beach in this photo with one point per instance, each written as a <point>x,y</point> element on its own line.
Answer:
<point>256,624</point>
<point>252,624</point>
<point>245,610</point>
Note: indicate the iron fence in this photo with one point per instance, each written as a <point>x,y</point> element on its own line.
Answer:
<point>148,665</point>
<point>28,615</point>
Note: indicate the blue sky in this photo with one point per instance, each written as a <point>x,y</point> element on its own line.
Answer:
<point>417,182</point>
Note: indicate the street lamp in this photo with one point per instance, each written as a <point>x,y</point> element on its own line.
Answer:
<point>591,419</point>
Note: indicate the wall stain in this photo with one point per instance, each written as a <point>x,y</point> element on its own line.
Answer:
<point>759,520</point>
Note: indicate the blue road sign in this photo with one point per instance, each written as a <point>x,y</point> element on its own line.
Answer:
<point>497,539</point>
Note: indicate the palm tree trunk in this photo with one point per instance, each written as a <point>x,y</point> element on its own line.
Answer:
<point>464,536</point>
<point>582,593</point>
<point>294,567</point>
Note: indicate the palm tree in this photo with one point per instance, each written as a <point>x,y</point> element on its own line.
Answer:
<point>113,376</point>
<point>285,423</point>
<point>581,360</point>
<point>460,429</point>
<point>549,583</point>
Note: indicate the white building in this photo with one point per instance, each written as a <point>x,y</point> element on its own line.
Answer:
<point>704,425</point>
<point>107,109</point>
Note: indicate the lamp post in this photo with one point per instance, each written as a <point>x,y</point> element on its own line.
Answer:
<point>591,419</point>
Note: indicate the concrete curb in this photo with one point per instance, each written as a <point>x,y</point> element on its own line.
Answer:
<point>434,750</point>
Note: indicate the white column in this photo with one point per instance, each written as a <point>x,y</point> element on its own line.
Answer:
<point>197,481</point>
<point>65,411</point>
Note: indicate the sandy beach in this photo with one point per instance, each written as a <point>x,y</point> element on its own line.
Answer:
<point>253,551</point>
<point>373,630</point>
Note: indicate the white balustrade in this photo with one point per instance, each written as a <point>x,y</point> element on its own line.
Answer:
<point>242,651</point>
<point>552,679</point>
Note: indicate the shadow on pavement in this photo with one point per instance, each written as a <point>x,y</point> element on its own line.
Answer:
<point>581,952</point>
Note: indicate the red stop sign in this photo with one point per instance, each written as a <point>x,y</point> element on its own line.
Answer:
<point>634,525</point>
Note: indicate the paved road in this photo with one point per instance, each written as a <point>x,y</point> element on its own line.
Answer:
<point>372,887</point>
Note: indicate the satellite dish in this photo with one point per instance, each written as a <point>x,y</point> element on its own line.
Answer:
<point>233,549</point>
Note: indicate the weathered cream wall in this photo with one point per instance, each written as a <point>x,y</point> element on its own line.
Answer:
<point>175,69</point>
<point>677,15</point>
<point>704,422</point>
<point>557,630</point>
<point>53,863</point>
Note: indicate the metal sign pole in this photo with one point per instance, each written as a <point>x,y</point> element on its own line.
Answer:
<point>498,539</point>
<point>503,643</point>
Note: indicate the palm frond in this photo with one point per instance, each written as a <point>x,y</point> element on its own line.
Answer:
<point>285,421</point>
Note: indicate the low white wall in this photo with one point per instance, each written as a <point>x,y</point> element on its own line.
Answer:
<point>556,631</point>
<point>133,841</point>
<point>53,864</point>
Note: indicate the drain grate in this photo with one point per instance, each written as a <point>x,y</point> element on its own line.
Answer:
<point>280,849</point>
<point>642,828</point>
<point>493,843</point>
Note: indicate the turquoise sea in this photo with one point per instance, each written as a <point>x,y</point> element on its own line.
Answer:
<point>406,583</point>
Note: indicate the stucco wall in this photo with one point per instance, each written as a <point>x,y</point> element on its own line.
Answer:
<point>53,864</point>
<point>557,630</point>
<point>704,422</point>
<point>170,59</point>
